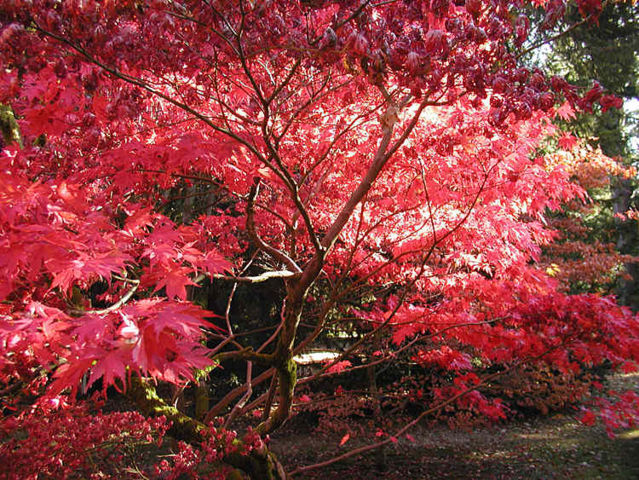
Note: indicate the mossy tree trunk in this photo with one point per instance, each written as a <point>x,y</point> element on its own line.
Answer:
<point>258,464</point>
<point>9,126</point>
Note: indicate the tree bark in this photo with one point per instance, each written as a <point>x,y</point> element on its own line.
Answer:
<point>258,464</point>
<point>9,126</point>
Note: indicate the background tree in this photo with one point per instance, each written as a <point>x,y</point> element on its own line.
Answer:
<point>606,51</point>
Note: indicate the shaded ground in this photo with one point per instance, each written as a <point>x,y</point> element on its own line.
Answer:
<point>555,447</point>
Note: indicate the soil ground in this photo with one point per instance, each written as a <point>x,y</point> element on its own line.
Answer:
<point>552,447</point>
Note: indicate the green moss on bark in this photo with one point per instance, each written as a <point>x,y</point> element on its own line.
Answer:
<point>150,404</point>
<point>257,464</point>
<point>9,126</point>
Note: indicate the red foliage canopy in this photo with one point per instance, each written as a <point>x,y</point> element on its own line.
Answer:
<point>345,147</point>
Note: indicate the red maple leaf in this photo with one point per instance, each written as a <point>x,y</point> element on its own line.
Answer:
<point>175,282</point>
<point>567,141</point>
<point>566,112</point>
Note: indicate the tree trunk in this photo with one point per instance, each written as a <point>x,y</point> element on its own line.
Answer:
<point>258,464</point>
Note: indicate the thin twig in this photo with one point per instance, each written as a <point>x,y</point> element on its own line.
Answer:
<point>240,404</point>
<point>420,417</point>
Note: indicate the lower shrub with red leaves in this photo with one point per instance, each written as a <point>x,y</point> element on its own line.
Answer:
<point>69,443</point>
<point>74,443</point>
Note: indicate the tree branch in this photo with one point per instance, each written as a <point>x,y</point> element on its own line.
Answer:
<point>261,244</point>
<point>419,418</point>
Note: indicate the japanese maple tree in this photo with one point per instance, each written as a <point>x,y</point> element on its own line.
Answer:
<point>379,159</point>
